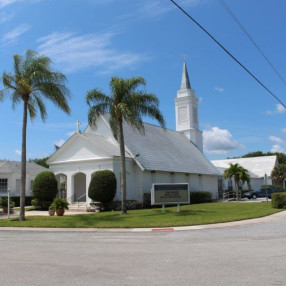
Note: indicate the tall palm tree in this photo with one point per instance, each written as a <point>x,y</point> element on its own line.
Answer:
<point>278,174</point>
<point>31,82</point>
<point>238,173</point>
<point>126,103</point>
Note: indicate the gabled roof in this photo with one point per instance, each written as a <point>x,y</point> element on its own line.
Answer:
<point>257,166</point>
<point>107,146</point>
<point>166,150</point>
<point>9,167</point>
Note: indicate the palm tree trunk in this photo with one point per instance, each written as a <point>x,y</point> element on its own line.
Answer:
<point>122,167</point>
<point>23,163</point>
<point>236,186</point>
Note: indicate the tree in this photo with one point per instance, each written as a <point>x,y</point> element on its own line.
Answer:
<point>239,174</point>
<point>41,162</point>
<point>278,174</point>
<point>32,81</point>
<point>45,188</point>
<point>102,187</point>
<point>126,103</point>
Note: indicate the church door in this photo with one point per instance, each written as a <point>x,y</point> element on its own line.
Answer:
<point>80,187</point>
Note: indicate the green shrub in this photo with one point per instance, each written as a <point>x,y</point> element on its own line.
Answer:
<point>278,200</point>
<point>200,197</point>
<point>28,201</point>
<point>102,187</point>
<point>45,188</point>
<point>60,203</point>
<point>4,202</point>
<point>40,205</point>
<point>147,200</point>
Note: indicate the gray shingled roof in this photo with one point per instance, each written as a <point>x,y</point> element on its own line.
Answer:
<point>15,167</point>
<point>166,150</point>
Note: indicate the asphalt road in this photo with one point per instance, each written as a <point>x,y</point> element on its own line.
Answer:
<point>253,254</point>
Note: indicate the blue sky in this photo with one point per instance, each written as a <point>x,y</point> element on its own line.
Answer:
<point>92,40</point>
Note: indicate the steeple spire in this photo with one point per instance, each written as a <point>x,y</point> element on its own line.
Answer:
<point>185,84</point>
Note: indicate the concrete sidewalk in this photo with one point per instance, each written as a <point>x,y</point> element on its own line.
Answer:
<point>273,217</point>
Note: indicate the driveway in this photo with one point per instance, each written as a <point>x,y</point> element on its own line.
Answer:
<point>252,254</point>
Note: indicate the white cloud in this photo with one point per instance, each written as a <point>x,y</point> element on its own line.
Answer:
<point>6,17</point>
<point>18,152</point>
<point>283,130</point>
<point>4,3</point>
<point>219,89</point>
<point>74,53</point>
<point>12,36</point>
<point>219,141</point>
<point>60,142</point>
<point>155,8</point>
<point>277,148</point>
<point>276,139</point>
<point>280,108</point>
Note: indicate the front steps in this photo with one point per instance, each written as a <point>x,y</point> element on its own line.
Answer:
<point>77,207</point>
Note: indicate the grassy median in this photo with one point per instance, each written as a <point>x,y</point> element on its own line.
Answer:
<point>189,215</point>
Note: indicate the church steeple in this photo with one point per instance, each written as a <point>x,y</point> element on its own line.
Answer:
<point>186,104</point>
<point>185,84</point>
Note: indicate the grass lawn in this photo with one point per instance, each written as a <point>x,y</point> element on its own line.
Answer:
<point>26,208</point>
<point>189,215</point>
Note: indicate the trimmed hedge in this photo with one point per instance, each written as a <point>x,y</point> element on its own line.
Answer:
<point>45,188</point>
<point>195,198</point>
<point>28,201</point>
<point>200,197</point>
<point>147,200</point>
<point>102,187</point>
<point>278,200</point>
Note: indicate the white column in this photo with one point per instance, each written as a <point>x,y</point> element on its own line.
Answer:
<point>69,188</point>
<point>88,179</point>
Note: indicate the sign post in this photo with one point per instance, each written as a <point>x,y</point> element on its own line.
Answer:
<point>8,195</point>
<point>170,194</point>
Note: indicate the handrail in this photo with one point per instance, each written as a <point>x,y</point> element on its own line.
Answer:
<point>80,203</point>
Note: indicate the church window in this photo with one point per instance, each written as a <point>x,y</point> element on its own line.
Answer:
<point>3,185</point>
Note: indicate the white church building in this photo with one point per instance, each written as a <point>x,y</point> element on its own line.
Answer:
<point>158,156</point>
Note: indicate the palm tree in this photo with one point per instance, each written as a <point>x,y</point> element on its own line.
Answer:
<point>31,82</point>
<point>278,174</point>
<point>126,103</point>
<point>244,177</point>
<point>239,174</point>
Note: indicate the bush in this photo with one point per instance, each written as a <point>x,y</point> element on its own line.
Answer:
<point>102,187</point>
<point>278,200</point>
<point>200,197</point>
<point>40,205</point>
<point>4,202</point>
<point>28,201</point>
<point>45,188</point>
<point>60,203</point>
<point>147,200</point>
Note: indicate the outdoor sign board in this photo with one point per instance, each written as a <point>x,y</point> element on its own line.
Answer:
<point>168,194</point>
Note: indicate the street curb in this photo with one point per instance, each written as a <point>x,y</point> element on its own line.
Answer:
<point>273,217</point>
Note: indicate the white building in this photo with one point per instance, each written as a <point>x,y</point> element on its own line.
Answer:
<point>159,156</point>
<point>259,169</point>
<point>10,176</point>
